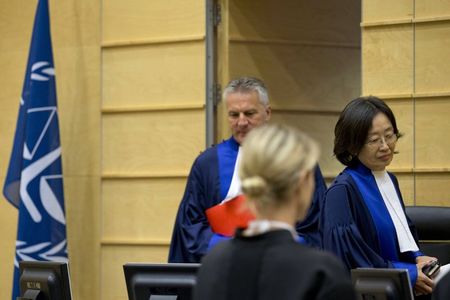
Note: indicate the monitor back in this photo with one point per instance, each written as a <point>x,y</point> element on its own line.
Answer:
<point>160,281</point>
<point>45,280</point>
<point>381,284</point>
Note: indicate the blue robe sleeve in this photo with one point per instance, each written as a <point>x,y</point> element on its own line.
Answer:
<point>341,233</point>
<point>308,229</point>
<point>192,232</point>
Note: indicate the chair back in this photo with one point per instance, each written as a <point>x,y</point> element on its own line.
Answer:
<point>433,227</point>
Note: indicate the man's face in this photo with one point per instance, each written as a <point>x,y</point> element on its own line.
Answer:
<point>245,112</point>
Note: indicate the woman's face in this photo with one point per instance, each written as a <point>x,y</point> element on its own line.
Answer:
<point>378,150</point>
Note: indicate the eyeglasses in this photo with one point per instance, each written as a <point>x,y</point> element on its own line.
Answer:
<point>377,142</point>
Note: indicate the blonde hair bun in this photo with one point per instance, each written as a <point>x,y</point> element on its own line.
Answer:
<point>254,186</point>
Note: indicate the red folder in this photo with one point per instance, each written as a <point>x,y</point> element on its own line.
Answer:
<point>225,218</point>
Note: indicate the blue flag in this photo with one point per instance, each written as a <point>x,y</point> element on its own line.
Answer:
<point>34,182</point>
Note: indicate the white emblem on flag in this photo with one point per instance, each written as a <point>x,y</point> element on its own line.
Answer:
<point>49,200</point>
<point>30,252</point>
<point>31,172</point>
<point>40,71</point>
<point>26,152</point>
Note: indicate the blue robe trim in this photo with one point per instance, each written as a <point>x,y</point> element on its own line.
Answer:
<point>227,154</point>
<point>358,228</point>
<point>374,200</point>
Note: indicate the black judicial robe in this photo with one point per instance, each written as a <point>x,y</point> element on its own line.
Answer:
<point>271,266</point>
<point>207,186</point>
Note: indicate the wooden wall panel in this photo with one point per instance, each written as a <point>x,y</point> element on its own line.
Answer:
<point>147,207</point>
<point>8,230</point>
<point>308,53</point>
<point>386,10</point>
<point>432,136</point>
<point>143,142</point>
<point>82,198</point>
<point>321,128</point>
<point>79,109</point>
<point>82,204</point>
<point>404,114</point>
<point>316,78</point>
<point>407,186</point>
<point>405,54</point>
<point>432,189</point>
<point>147,75</point>
<point>387,60</point>
<point>295,20</point>
<point>432,8</point>
<point>81,21</point>
<point>115,256</point>
<point>432,53</point>
<point>153,120</point>
<point>140,19</point>
<point>16,32</point>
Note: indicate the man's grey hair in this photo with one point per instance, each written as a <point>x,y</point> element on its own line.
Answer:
<point>247,85</point>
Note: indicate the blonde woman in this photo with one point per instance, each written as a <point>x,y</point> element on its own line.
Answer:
<point>265,261</point>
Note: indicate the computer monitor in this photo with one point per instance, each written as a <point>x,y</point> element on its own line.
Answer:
<point>381,284</point>
<point>44,280</point>
<point>160,281</point>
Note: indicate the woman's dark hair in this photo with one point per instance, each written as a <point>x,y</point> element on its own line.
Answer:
<point>353,126</point>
